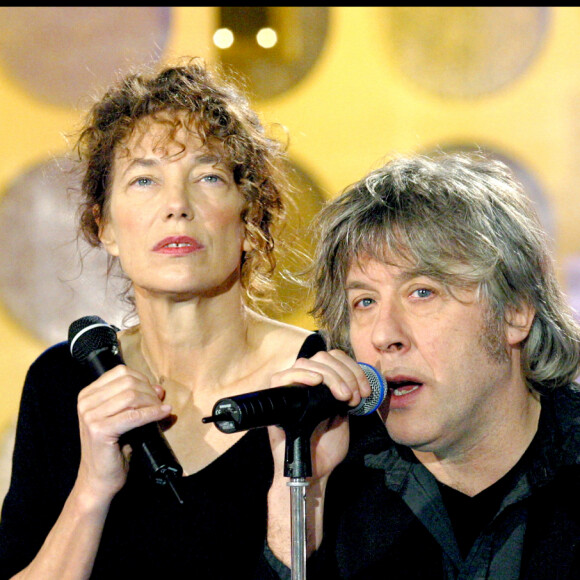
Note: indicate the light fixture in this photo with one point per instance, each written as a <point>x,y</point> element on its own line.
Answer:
<point>267,37</point>
<point>223,38</point>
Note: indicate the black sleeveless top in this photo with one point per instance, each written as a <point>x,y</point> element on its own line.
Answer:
<point>218,533</point>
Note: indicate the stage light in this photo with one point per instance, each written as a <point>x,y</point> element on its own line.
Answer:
<point>223,38</point>
<point>267,37</point>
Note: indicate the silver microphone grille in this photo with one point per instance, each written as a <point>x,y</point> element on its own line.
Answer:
<point>378,392</point>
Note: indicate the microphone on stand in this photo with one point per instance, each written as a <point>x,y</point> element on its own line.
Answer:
<point>289,405</point>
<point>297,409</point>
<point>94,344</point>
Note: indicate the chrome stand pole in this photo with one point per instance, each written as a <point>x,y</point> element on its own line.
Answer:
<point>298,487</point>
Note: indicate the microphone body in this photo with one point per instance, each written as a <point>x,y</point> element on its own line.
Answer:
<point>94,344</point>
<point>291,405</point>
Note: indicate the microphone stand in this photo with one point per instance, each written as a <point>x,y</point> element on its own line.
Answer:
<point>298,466</point>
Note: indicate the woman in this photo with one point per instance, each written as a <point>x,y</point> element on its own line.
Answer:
<point>183,188</point>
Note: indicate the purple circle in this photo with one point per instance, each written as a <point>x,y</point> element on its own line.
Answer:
<point>465,51</point>
<point>62,53</point>
<point>49,277</point>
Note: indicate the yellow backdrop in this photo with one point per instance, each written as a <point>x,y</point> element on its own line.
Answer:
<point>355,107</point>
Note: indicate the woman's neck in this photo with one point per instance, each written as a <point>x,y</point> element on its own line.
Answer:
<point>196,342</point>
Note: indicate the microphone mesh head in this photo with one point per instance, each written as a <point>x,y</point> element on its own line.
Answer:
<point>89,334</point>
<point>378,391</point>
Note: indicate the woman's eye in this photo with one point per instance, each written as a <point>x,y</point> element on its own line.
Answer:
<point>142,181</point>
<point>211,178</point>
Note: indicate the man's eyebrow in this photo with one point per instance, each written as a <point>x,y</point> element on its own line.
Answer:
<point>357,285</point>
<point>403,276</point>
<point>406,275</point>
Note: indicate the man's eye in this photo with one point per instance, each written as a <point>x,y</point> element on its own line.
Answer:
<point>422,293</point>
<point>364,303</point>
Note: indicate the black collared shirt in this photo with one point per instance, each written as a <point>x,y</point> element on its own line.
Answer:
<point>385,516</point>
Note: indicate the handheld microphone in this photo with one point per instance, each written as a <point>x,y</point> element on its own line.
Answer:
<point>287,406</point>
<point>94,344</point>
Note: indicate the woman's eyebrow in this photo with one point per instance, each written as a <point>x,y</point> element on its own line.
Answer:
<point>146,162</point>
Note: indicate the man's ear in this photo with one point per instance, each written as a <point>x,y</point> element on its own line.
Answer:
<point>519,321</point>
<point>106,234</point>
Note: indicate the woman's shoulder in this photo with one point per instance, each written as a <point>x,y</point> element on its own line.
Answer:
<point>57,354</point>
<point>287,342</point>
<point>284,333</point>
<point>55,366</point>
<point>313,343</point>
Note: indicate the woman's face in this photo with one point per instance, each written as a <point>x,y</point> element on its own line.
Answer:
<point>174,215</point>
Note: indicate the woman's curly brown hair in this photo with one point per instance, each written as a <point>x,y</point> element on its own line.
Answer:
<point>217,110</point>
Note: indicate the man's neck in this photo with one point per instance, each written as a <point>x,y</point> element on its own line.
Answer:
<point>474,469</point>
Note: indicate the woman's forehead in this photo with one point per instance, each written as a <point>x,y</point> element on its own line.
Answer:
<point>160,135</point>
<point>166,138</point>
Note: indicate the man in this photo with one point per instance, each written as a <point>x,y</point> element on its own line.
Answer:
<point>437,272</point>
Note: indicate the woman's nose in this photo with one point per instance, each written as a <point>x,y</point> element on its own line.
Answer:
<point>178,205</point>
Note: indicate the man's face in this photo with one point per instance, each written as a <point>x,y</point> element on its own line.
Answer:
<point>447,388</point>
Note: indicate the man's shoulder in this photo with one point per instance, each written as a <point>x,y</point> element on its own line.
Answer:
<point>565,402</point>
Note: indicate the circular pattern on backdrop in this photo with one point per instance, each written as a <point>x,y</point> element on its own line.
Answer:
<point>301,35</point>
<point>46,285</point>
<point>43,282</point>
<point>465,51</point>
<point>62,53</point>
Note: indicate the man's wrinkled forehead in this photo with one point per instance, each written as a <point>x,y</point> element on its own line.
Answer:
<point>401,260</point>
<point>452,274</point>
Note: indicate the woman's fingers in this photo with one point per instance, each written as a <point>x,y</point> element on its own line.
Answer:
<point>124,398</point>
<point>117,402</point>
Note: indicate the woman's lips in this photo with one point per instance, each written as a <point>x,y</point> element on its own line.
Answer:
<point>177,245</point>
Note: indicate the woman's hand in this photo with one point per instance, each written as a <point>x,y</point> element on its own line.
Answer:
<point>118,401</point>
